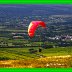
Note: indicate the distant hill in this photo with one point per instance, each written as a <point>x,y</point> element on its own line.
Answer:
<point>21,10</point>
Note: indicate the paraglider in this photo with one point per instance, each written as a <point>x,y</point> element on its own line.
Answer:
<point>33,26</point>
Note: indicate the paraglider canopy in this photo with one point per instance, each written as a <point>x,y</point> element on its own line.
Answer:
<point>33,26</point>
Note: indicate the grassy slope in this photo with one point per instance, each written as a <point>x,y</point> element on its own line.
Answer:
<point>23,53</point>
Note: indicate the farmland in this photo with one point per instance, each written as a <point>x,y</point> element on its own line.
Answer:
<point>49,48</point>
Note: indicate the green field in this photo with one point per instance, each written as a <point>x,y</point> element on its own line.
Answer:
<point>23,53</point>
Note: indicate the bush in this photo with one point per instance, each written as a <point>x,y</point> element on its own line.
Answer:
<point>4,58</point>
